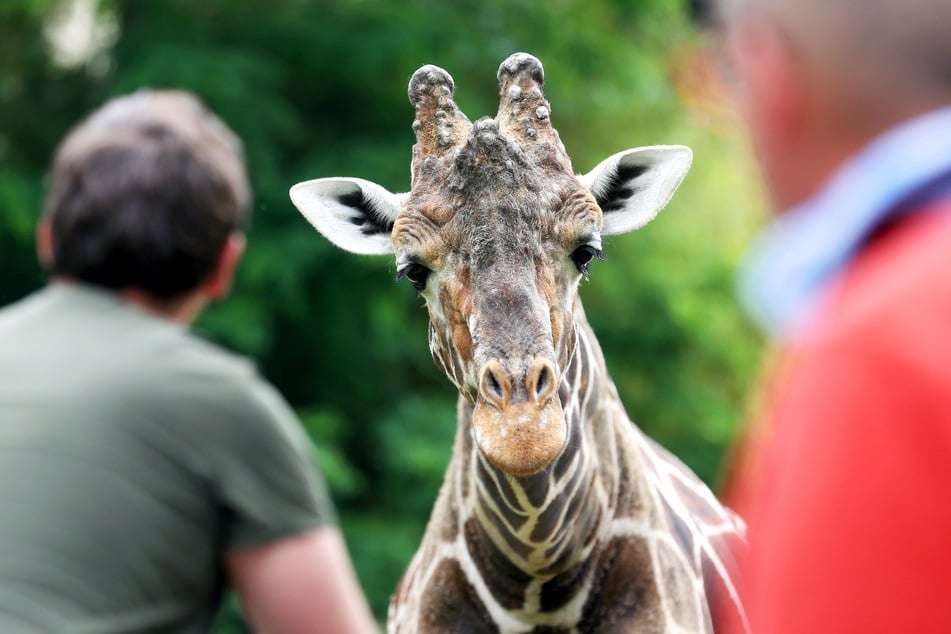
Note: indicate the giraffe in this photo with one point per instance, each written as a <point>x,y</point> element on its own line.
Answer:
<point>556,513</point>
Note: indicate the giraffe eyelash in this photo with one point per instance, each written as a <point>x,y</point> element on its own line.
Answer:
<point>416,273</point>
<point>582,257</point>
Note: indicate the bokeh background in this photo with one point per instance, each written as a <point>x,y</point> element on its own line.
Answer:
<point>318,88</point>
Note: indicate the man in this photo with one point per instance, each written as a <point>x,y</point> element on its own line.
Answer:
<point>849,106</point>
<point>142,469</point>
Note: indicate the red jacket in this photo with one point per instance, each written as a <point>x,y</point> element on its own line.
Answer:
<point>850,518</point>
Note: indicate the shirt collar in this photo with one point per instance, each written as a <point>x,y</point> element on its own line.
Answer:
<point>804,248</point>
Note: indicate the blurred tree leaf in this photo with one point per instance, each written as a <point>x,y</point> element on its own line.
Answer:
<point>319,89</point>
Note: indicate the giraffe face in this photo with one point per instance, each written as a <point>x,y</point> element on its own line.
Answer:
<point>495,234</point>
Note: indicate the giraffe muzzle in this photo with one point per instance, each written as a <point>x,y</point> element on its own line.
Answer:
<point>519,424</point>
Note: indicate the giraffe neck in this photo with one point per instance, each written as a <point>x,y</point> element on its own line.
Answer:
<point>534,535</point>
<point>614,535</point>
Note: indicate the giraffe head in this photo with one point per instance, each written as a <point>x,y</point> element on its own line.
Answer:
<point>495,234</point>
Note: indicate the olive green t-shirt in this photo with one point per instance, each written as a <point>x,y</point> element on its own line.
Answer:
<point>132,456</point>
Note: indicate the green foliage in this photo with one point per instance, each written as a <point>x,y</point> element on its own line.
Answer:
<point>318,89</point>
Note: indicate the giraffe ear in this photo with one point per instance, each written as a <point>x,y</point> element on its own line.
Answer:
<point>354,214</point>
<point>632,186</point>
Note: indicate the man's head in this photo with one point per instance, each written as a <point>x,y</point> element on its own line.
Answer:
<point>148,194</point>
<point>820,78</point>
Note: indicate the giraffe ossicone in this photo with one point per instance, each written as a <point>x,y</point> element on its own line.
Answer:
<point>557,513</point>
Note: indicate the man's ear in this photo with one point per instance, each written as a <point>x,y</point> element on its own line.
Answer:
<point>632,186</point>
<point>354,214</point>
<point>773,93</point>
<point>767,67</point>
<point>218,284</point>
<point>44,243</point>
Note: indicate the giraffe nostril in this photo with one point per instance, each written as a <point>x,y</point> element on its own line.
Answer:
<point>542,381</point>
<point>494,385</point>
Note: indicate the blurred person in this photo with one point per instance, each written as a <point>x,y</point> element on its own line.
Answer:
<point>849,108</point>
<point>141,469</point>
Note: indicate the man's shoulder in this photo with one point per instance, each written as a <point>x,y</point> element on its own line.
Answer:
<point>895,298</point>
<point>198,373</point>
<point>907,262</point>
<point>86,345</point>
<point>194,355</point>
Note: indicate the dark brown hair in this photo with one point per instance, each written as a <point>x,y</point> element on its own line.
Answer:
<point>144,193</point>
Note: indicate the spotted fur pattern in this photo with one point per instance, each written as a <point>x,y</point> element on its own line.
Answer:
<point>617,536</point>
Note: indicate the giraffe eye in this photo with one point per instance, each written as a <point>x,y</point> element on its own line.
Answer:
<point>582,257</point>
<point>416,273</point>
